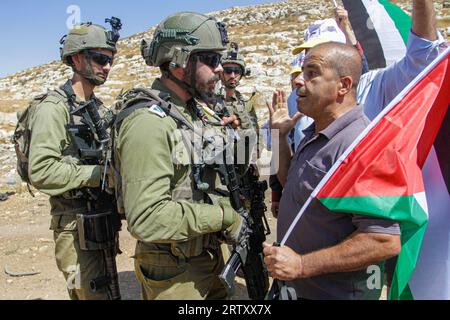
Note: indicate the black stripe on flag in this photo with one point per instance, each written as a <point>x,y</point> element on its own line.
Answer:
<point>442,147</point>
<point>368,38</point>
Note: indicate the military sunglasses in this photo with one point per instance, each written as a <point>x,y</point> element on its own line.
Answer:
<point>230,70</point>
<point>211,59</point>
<point>100,58</point>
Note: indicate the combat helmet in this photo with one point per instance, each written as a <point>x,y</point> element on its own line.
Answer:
<point>233,56</point>
<point>89,36</point>
<point>180,35</point>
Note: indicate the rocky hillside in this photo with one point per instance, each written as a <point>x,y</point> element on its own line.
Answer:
<point>266,34</point>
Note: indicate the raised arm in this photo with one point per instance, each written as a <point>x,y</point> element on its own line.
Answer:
<point>424,19</point>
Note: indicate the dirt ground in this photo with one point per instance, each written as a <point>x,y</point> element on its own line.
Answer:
<point>26,246</point>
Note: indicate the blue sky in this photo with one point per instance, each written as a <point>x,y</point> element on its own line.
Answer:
<point>30,30</point>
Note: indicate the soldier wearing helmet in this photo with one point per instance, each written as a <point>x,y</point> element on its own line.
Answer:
<point>232,102</point>
<point>171,200</point>
<point>56,166</point>
<point>234,69</point>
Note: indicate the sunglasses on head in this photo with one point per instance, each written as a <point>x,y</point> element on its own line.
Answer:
<point>230,70</point>
<point>211,59</point>
<point>100,58</point>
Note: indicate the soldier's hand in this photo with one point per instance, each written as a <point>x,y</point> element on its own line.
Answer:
<point>279,118</point>
<point>234,226</point>
<point>236,231</point>
<point>233,120</point>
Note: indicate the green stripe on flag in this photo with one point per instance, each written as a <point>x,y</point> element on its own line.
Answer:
<point>413,222</point>
<point>401,20</point>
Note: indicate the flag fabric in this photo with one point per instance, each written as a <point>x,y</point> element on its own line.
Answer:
<point>382,29</point>
<point>381,173</point>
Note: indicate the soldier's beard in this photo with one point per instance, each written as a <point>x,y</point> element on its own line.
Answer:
<point>205,88</point>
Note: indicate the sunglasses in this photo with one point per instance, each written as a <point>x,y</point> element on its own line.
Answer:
<point>230,70</point>
<point>100,58</point>
<point>210,59</point>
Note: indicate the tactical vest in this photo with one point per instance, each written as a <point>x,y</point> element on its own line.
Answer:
<point>188,189</point>
<point>72,201</point>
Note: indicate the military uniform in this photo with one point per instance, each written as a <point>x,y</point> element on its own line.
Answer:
<point>177,252</point>
<point>56,169</point>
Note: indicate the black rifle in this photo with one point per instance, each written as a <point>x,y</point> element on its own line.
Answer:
<point>248,253</point>
<point>98,228</point>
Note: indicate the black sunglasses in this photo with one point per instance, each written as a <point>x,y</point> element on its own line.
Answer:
<point>230,70</point>
<point>100,58</point>
<point>211,59</point>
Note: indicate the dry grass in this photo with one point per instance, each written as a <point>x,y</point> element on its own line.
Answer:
<point>13,105</point>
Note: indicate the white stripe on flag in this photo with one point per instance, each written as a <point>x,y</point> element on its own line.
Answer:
<point>391,41</point>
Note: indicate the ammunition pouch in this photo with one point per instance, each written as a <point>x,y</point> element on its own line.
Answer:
<point>98,231</point>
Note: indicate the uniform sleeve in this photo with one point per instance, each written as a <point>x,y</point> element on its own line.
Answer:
<point>145,152</point>
<point>49,171</point>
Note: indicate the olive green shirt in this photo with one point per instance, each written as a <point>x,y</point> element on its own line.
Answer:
<point>144,152</point>
<point>54,167</point>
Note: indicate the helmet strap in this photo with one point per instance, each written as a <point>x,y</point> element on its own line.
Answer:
<point>190,88</point>
<point>89,74</point>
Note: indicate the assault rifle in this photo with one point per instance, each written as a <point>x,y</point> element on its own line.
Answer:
<point>98,228</point>
<point>248,253</point>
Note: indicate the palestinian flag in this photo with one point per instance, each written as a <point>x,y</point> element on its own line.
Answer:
<point>382,29</point>
<point>380,174</point>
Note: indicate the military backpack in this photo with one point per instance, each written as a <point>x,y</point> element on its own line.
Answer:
<point>22,137</point>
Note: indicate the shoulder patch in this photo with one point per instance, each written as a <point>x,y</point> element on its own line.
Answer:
<point>157,110</point>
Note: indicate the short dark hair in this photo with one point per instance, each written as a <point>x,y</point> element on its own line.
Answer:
<point>344,59</point>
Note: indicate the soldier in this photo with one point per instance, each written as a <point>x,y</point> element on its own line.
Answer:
<point>56,166</point>
<point>232,102</point>
<point>170,201</point>
<point>234,68</point>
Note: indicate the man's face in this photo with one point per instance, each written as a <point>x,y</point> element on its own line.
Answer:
<point>95,61</point>
<point>232,74</point>
<point>207,74</point>
<point>317,85</point>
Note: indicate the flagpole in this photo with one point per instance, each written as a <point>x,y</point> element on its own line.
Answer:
<point>333,169</point>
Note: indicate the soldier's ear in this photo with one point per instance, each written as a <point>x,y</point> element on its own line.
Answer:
<point>178,72</point>
<point>76,61</point>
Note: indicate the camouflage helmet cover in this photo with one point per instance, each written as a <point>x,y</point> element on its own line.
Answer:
<point>83,37</point>
<point>182,34</point>
<point>234,57</point>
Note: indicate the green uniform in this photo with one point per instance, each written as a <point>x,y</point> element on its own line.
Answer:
<point>55,169</point>
<point>242,109</point>
<point>248,128</point>
<point>177,253</point>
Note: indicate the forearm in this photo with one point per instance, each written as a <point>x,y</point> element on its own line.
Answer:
<point>349,35</point>
<point>169,220</point>
<point>357,252</point>
<point>424,19</point>
<point>54,177</point>
<point>50,171</point>
<point>281,148</point>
